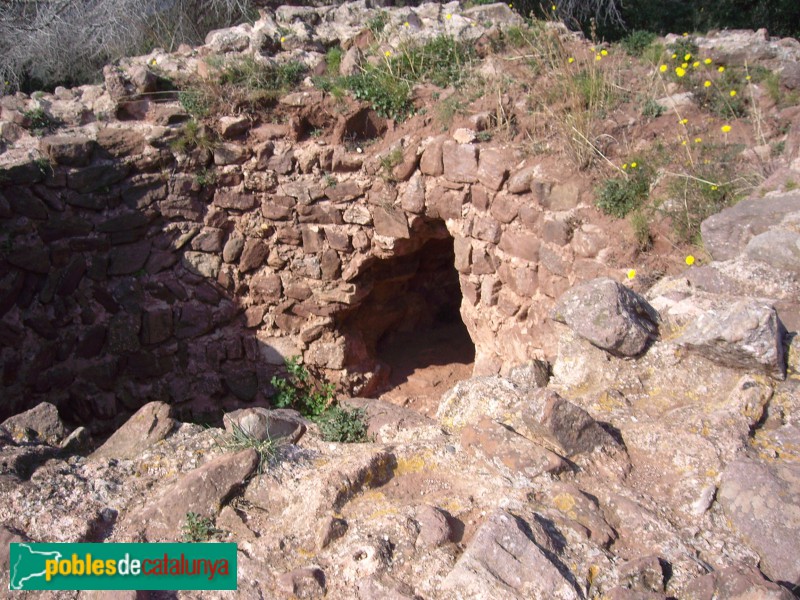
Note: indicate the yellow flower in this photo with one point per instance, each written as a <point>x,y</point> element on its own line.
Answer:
<point>684,121</point>
<point>406,24</point>
<point>706,83</point>
<point>721,69</point>
<point>725,128</point>
<point>553,7</point>
<point>696,64</point>
<point>448,16</point>
<point>570,60</point>
<point>674,55</point>
<point>598,57</point>
<point>683,142</point>
<point>625,166</point>
<point>631,273</point>
<point>685,65</point>
<point>698,140</point>
<point>283,39</point>
<point>633,165</point>
<point>687,57</point>
<point>690,260</point>
<point>604,52</point>
<point>388,53</point>
<point>714,188</point>
<point>707,61</point>
<point>663,68</point>
<point>685,34</point>
<point>680,72</point>
<point>733,93</point>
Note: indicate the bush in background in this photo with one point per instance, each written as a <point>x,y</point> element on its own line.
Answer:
<point>67,42</point>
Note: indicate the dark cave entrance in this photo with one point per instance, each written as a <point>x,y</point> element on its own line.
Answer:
<point>409,326</point>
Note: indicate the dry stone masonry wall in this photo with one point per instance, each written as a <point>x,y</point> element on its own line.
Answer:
<point>135,272</point>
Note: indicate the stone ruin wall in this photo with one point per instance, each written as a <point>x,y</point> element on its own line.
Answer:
<point>131,274</point>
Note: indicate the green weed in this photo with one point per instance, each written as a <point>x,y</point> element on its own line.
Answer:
<point>621,195</point>
<point>300,391</point>
<point>637,41</point>
<point>198,528</point>
<point>342,424</point>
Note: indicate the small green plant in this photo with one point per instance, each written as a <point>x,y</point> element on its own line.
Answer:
<point>197,528</point>
<point>196,102</point>
<point>641,230</point>
<point>390,160</point>
<point>194,135</point>
<point>442,61</point>
<point>39,121</point>
<point>333,60</point>
<point>378,22</point>
<point>206,177</point>
<point>45,166</point>
<point>652,109</point>
<point>342,424</point>
<point>621,195</point>
<point>239,439</point>
<point>300,391</point>
<point>790,185</point>
<point>637,41</point>
<point>331,181</point>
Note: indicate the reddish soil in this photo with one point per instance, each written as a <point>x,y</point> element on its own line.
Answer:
<point>425,364</point>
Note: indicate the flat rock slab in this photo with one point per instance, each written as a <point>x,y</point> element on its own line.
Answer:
<point>502,561</point>
<point>761,501</point>
<point>202,491</point>
<point>735,583</point>
<point>508,452</point>
<point>726,234</point>
<point>609,315</point>
<point>150,424</point>
<point>469,401</point>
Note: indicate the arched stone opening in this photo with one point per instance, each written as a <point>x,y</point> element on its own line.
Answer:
<point>407,332</point>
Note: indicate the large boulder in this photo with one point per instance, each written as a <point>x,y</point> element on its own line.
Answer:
<point>42,421</point>
<point>609,315</point>
<point>744,335</point>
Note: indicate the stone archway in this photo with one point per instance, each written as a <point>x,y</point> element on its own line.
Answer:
<point>408,327</point>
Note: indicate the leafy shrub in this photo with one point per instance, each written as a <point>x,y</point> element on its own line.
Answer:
<point>442,61</point>
<point>198,528</point>
<point>652,109</point>
<point>39,121</point>
<point>342,424</point>
<point>388,95</point>
<point>620,195</point>
<point>300,391</point>
<point>637,41</point>
<point>196,102</point>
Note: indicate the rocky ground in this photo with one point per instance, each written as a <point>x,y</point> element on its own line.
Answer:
<point>648,449</point>
<point>660,458</point>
